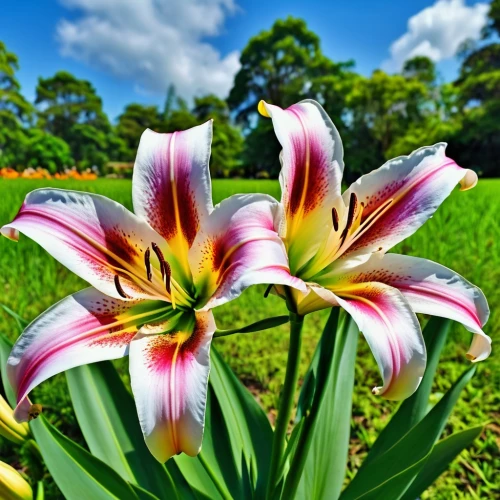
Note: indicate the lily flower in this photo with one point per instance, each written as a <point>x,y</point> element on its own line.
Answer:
<point>155,275</point>
<point>337,243</point>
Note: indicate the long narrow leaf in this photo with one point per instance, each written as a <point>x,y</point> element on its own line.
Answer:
<point>77,473</point>
<point>413,409</point>
<point>248,427</point>
<point>328,435</point>
<point>216,448</point>
<point>20,321</point>
<point>395,487</point>
<point>108,419</point>
<point>5,348</point>
<point>442,455</point>
<point>411,448</point>
<point>323,349</point>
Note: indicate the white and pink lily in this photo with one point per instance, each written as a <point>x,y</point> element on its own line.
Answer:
<point>337,243</point>
<point>155,275</point>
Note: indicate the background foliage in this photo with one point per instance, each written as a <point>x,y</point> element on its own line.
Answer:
<point>379,117</point>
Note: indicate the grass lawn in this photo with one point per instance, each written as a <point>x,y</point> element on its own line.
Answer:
<point>464,235</point>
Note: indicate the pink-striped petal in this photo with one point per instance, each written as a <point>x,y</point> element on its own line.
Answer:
<point>169,376</point>
<point>400,196</point>
<point>83,328</point>
<point>432,289</point>
<point>237,247</point>
<point>171,184</point>
<point>392,330</point>
<point>95,237</point>
<point>310,178</point>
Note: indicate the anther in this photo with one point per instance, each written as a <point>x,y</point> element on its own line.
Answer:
<point>168,274</point>
<point>335,219</point>
<point>119,288</point>
<point>159,254</point>
<point>353,205</point>
<point>268,289</point>
<point>166,271</point>
<point>147,262</point>
<point>34,411</point>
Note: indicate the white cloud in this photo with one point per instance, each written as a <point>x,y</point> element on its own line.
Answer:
<point>437,32</point>
<point>153,42</point>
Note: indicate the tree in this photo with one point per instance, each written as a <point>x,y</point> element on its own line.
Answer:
<point>478,86</point>
<point>42,149</point>
<point>382,109</point>
<point>227,143</point>
<point>15,111</point>
<point>70,108</point>
<point>131,124</point>
<point>421,68</point>
<point>282,65</point>
<point>278,65</point>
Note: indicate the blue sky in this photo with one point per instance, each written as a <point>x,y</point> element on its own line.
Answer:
<point>132,49</point>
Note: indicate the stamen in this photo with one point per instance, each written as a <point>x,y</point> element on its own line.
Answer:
<point>166,271</point>
<point>168,275</point>
<point>34,411</point>
<point>159,254</point>
<point>268,289</point>
<point>119,288</point>
<point>353,206</point>
<point>147,262</point>
<point>335,219</point>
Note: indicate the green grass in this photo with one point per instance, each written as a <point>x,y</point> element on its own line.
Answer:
<point>463,235</point>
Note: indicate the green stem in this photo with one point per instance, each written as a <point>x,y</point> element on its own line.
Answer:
<point>287,400</point>
<point>264,324</point>
<point>220,487</point>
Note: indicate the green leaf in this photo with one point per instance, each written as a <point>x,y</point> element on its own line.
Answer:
<point>196,476</point>
<point>76,472</point>
<point>258,326</point>
<point>324,439</point>
<point>442,455</point>
<point>40,492</point>
<point>108,419</point>
<point>5,348</point>
<point>395,487</point>
<point>216,448</point>
<point>413,409</point>
<point>324,348</point>
<point>143,494</point>
<point>411,448</point>
<point>21,322</point>
<point>249,430</point>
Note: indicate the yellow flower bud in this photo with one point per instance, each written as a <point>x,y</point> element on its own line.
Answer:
<point>9,428</point>
<point>12,485</point>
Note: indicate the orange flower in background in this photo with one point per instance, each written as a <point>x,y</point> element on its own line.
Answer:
<point>8,173</point>
<point>42,173</point>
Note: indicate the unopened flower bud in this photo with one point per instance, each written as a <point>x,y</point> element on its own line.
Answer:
<point>9,428</point>
<point>12,485</point>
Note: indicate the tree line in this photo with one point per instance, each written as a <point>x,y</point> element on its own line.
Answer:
<point>379,117</point>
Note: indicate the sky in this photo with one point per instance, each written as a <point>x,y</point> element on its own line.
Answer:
<point>131,50</point>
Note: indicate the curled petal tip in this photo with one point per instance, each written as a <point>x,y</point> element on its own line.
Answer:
<point>480,348</point>
<point>468,181</point>
<point>376,391</point>
<point>263,109</point>
<point>10,233</point>
<point>22,411</point>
